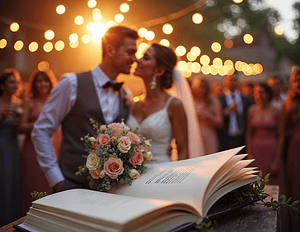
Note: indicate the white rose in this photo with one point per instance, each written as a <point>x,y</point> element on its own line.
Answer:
<point>125,127</point>
<point>102,174</point>
<point>124,144</point>
<point>92,161</point>
<point>134,174</point>
<point>148,143</point>
<point>92,139</point>
<point>148,155</point>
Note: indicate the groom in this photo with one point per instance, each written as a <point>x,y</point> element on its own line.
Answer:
<point>76,99</point>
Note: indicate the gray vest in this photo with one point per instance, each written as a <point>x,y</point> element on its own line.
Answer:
<point>77,124</point>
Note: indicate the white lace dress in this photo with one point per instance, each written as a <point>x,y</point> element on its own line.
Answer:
<point>158,128</point>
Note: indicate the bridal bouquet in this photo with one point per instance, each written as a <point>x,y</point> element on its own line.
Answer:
<point>116,156</point>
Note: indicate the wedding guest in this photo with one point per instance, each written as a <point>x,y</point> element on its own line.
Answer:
<point>247,90</point>
<point>292,118</point>
<point>234,108</point>
<point>278,95</point>
<point>36,95</point>
<point>76,99</point>
<point>217,88</point>
<point>10,193</point>
<point>209,112</point>
<point>265,135</point>
<point>159,116</point>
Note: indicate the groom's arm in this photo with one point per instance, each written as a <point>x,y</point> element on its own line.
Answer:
<point>61,101</point>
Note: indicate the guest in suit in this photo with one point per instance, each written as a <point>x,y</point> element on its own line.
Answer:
<point>76,99</point>
<point>234,107</point>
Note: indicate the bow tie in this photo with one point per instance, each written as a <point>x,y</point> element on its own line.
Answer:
<point>115,86</point>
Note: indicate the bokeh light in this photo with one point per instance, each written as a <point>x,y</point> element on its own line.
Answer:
<point>74,44</point>
<point>119,18</point>
<point>217,62</point>
<point>73,37</point>
<point>204,60</point>
<point>165,42</point>
<point>142,32</point>
<point>149,35</point>
<point>33,46</point>
<point>182,65</point>
<point>190,56</point>
<point>195,51</point>
<point>216,47</point>
<point>60,9</point>
<point>237,1</point>
<point>86,38</point>
<point>79,20</point>
<point>59,45</point>
<point>48,47</point>
<point>124,8</point>
<point>197,18</point>
<point>206,69</point>
<point>228,43</point>
<point>49,34</point>
<point>3,43</point>
<point>14,27</point>
<point>98,30</point>
<point>248,39</point>
<point>92,3</point>
<point>196,67</point>
<point>278,30</point>
<point>43,65</point>
<point>18,45</point>
<point>180,50</point>
<point>167,28</point>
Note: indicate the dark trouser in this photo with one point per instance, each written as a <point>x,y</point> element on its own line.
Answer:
<point>68,184</point>
<point>229,142</point>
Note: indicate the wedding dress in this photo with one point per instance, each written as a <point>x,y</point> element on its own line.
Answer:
<point>156,127</point>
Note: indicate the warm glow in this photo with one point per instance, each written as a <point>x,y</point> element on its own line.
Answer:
<point>213,70</point>
<point>14,27</point>
<point>278,30</point>
<point>3,43</point>
<point>98,30</point>
<point>182,65</point>
<point>217,62</point>
<point>73,37</point>
<point>258,68</point>
<point>119,18</point>
<point>195,51</point>
<point>18,45</point>
<point>136,99</point>
<point>223,71</point>
<point>142,32</point>
<point>48,47</point>
<point>124,8</point>
<point>59,45</point>
<point>167,28</point>
<point>97,17</point>
<point>90,25</point>
<point>33,46</point>
<point>197,18</point>
<point>180,50</point>
<point>92,3</point>
<point>79,20</point>
<point>96,11</point>
<point>186,73</point>
<point>43,65</point>
<point>110,24</point>
<point>237,1</point>
<point>228,43</point>
<point>196,67</point>
<point>230,71</point>
<point>204,60</point>
<point>229,64</point>
<point>86,38</point>
<point>190,56</point>
<point>149,35</point>
<point>216,47</point>
<point>60,9</point>
<point>205,69</point>
<point>238,65</point>
<point>165,42</point>
<point>248,39</point>
<point>74,44</point>
<point>49,34</point>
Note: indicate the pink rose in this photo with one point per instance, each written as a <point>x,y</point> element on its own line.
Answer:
<point>133,137</point>
<point>94,145</point>
<point>113,167</point>
<point>116,129</point>
<point>95,173</point>
<point>103,127</point>
<point>136,159</point>
<point>103,139</point>
<point>113,139</point>
<point>124,144</point>
<point>141,148</point>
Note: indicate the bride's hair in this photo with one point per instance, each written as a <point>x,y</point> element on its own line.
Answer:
<point>165,58</point>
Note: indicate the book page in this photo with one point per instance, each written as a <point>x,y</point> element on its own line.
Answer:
<point>182,181</point>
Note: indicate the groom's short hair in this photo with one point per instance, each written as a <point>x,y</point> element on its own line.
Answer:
<point>115,36</point>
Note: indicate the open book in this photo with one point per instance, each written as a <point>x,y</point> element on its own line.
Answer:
<point>167,196</point>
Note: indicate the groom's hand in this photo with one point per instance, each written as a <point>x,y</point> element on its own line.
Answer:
<point>58,186</point>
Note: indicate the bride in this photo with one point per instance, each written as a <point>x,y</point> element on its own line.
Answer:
<point>160,116</point>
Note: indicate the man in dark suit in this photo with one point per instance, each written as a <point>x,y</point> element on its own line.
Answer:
<point>77,98</point>
<point>234,107</point>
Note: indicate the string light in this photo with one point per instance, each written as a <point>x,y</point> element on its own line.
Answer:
<point>60,9</point>
<point>124,8</point>
<point>197,18</point>
<point>3,43</point>
<point>48,47</point>
<point>59,45</point>
<point>33,46</point>
<point>119,18</point>
<point>180,50</point>
<point>14,27</point>
<point>18,45</point>
<point>167,28</point>
<point>79,20</point>
<point>92,3</point>
<point>248,39</point>
<point>49,34</point>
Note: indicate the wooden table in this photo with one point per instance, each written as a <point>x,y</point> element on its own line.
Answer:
<point>248,219</point>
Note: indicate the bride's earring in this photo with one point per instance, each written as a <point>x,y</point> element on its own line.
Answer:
<point>153,83</point>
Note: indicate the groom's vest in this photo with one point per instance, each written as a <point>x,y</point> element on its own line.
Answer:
<point>77,124</point>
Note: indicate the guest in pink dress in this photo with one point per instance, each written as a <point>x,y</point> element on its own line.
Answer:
<point>38,92</point>
<point>265,135</point>
<point>292,116</point>
<point>209,112</point>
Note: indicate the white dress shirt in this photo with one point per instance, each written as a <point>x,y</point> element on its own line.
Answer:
<point>233,123</point>
<point>60,103</point>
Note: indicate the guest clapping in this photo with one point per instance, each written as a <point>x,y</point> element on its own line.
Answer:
<point>209,112</point>
<point>10,193</point>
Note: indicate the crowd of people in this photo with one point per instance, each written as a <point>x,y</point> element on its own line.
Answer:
<point>226,115</point>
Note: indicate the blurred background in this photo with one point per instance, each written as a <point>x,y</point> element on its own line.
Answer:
<point>213,37</point>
